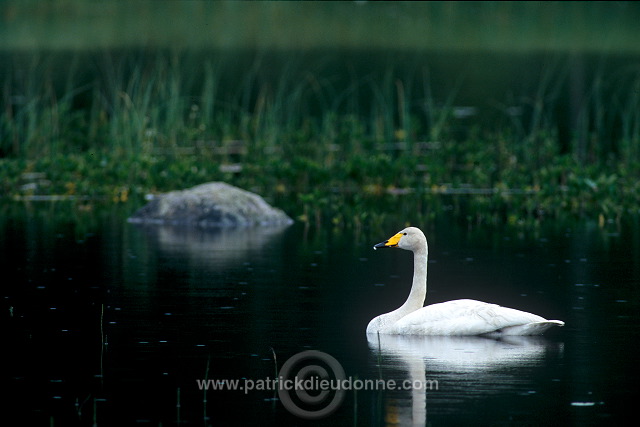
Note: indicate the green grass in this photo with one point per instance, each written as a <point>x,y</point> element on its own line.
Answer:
<point>357,189</point>
<point>330,142</point>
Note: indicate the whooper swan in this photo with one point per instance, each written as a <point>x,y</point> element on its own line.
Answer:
<point>457,317</point>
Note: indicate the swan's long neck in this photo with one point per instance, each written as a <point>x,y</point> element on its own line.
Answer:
<point>418,292</point>
<point>416,298</point>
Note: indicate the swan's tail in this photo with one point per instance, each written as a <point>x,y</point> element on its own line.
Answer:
<point>533,328</point>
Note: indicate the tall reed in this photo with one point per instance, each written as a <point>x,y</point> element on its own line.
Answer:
<point>291,127</point>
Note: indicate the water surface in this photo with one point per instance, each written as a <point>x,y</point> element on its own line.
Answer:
<point>112,323</point>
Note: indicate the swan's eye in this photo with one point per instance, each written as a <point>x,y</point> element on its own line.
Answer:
<point>404,234</point>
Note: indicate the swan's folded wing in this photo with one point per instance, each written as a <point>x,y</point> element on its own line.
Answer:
<point>462,317</point>
<point>534,328</point>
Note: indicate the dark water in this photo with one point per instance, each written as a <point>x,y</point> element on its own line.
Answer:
<point>108,323</point>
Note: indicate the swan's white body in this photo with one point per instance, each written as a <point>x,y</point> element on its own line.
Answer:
<point>458,317</point>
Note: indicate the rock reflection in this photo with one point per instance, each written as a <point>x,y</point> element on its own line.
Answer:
<point>219,247</point>
<point>457,362</point>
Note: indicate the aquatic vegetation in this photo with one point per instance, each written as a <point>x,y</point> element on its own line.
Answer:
<point>347,152</point>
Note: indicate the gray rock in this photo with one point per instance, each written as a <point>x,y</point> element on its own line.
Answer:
<point>214,204</point>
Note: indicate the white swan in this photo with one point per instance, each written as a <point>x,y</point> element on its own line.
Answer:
<point>458,317</point>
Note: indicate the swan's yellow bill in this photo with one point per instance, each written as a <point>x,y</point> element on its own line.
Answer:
<point>391,243</point>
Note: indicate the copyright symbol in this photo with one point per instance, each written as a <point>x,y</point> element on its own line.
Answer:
<point>310,384</point>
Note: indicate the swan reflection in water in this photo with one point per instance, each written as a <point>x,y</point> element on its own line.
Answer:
<point>452,365</point>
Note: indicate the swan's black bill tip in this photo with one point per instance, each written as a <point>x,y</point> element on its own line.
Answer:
<point>384,244</point>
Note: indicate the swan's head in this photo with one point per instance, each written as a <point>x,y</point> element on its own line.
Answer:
<point>411,238</point>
